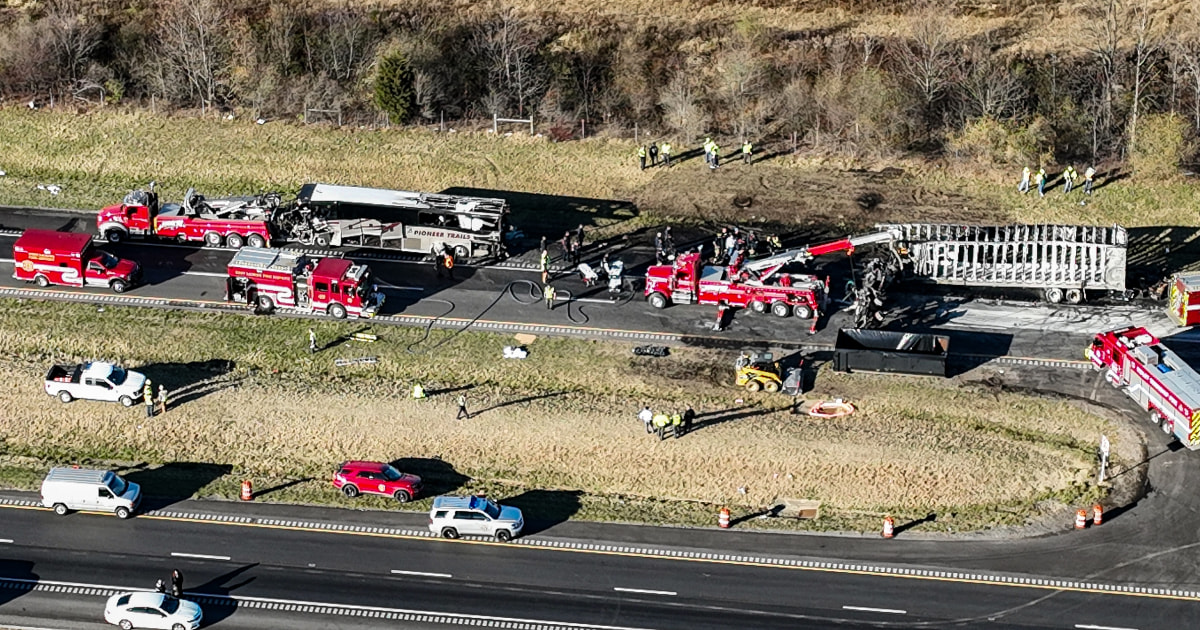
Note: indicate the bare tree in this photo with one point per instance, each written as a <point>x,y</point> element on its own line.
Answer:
<point>73,34</point>
<point>341,44</point>
<point>1103,34</point>
<point>681,109</point>
<point>926,60</point>
<point>1185,49</point>
<point>193,49</point>
<point>990,87</point>
<point>508,47</point>
<point>1145,44</point>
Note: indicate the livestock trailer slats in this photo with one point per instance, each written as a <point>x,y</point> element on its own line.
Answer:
<point>1041,256</point>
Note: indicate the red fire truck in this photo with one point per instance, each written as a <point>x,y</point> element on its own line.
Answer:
<point>759,284</point>
<point>1153,376</point>
<point>234,221</point>
<point>335,286</point>
<point>68,258</point>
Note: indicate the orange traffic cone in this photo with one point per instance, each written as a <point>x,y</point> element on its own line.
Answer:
<point>1080,519</point>
<point>1097,514</point>
<point>889,527</point>
<point>247,493</point>
<point>723,519</point>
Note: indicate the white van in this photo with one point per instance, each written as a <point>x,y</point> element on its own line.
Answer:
<point>66,489</point>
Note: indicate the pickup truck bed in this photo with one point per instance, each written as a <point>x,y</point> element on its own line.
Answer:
<point>64,373</point>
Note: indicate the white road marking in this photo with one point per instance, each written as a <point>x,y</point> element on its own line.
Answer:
<point>421,573</point>
<point>329,608</point>
<point>398,288</point>
<point>6,541</point>
<point>643,591</point>
<point>199,556</point>
<point>890,611</point>
<point>1084,626</point>
<point>210,274</point>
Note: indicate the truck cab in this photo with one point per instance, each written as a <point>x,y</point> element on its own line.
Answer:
<point>46,257</point>
<point>133,216</point>
<point>339,287</point>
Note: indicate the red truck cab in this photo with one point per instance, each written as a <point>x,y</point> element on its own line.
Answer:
<point>688,281</point>
<point>47,257</point>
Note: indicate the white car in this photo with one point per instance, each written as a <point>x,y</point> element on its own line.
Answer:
<point>151,610</point>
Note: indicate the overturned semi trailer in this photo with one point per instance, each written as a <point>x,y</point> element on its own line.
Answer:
<point>1064,262</point>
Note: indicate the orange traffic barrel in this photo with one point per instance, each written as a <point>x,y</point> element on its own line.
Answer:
<point>723,518</point>
<point>247,492</point>
<point>889,527</point>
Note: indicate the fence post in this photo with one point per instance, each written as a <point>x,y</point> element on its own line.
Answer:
<point>635,133</point>
<point>442,121</point>
<point>494,124</point>
<point>531,125</point>
<point>793,142</point>
<point>582,128</point>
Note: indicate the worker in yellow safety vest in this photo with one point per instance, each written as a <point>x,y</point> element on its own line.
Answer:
<point>660,424</point>
<point>418,392</point>
<point>641,153</point>
<point>676,425</point>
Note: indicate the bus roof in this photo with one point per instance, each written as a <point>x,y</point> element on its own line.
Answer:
<point>331,194</point>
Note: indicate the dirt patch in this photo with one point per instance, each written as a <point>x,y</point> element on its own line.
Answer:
<point>789,196</point>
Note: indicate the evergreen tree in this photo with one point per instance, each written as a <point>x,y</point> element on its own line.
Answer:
<point>394,87</point>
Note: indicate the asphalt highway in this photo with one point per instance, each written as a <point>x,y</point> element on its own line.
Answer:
<point>331,574</point>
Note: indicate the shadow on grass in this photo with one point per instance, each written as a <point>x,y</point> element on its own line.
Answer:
<point>22,576</point>
<point>429,393</point>
<point>437,476</point>
<point>543,509</point>
<point>517,402</point>
<point>283,486</point>
<point>172,482</point>
<point>217,610</point>
<point>191,381</point>
<point>712,419</point>
<point>928,518</point>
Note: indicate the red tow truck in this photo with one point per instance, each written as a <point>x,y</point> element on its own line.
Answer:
<point>759,285</point>
<point>47,257</point>
<point>268,278</point>
<point>235,221</point>
<point>1153,376</point>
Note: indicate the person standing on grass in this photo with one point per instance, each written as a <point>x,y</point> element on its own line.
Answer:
<point>708,144</point>
<point>148,397</point>
<point>653,154</point>
<point>462,408</point>
<point>162,398</point>
<point>666,153</point>
<point>549,293</point>
<point>418,392</point>
<point>1023,187</point>
<point>1040,180</point>
<point>716,156</point>
<point>747,148</point>
<point>676,425</point>
<point>1088,176</point>
<point>1068,179</point>
<point>641,153</point>
<point>647,417</point>
<point>660,425</point>
<point>689,415</point>
<point>312,341</point>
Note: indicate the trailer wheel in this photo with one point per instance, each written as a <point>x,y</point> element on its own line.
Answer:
<point>781,309</point>
<point>758,306</point>
<point>212,239</point>
<point>658,300</point>
<point>1074,296</point>
<point>256,240</point>
<point>114,236</point>
<point>337,311</point>
<point>41,281</point>
<point>1054,295</point>
<point>119,286</point>
<point>235,241</point>
<point>802,311</point>
<point>753,386</point>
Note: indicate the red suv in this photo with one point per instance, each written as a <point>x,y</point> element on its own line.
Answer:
<point>353,478</point>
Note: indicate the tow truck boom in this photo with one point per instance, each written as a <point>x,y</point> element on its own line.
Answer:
<point>764,268</point>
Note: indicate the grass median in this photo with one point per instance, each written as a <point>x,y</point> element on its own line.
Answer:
<point>555,433</point>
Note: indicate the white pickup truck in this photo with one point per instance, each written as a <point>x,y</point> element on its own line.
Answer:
<point>95,381</point>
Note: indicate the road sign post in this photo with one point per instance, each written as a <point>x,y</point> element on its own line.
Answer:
<point>1104,446</point>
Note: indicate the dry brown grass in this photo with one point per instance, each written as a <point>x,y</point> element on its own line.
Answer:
<point>914,445</point>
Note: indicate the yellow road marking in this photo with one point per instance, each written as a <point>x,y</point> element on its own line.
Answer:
<point>650,556</point>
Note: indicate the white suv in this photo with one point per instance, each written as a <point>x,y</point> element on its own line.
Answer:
<point>452,517</point>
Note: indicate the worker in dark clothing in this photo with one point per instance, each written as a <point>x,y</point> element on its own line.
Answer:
<point>176,583</point>
<point>565,243</point>
<point>689,415</point>
<point>579,236</point>
<point>462,408</point>
<point>448,263</point>
<point>160,587</point>
<point>575,252</point>
<point>668,241</point>
<point>653,154</point>
<point>543,246</point>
